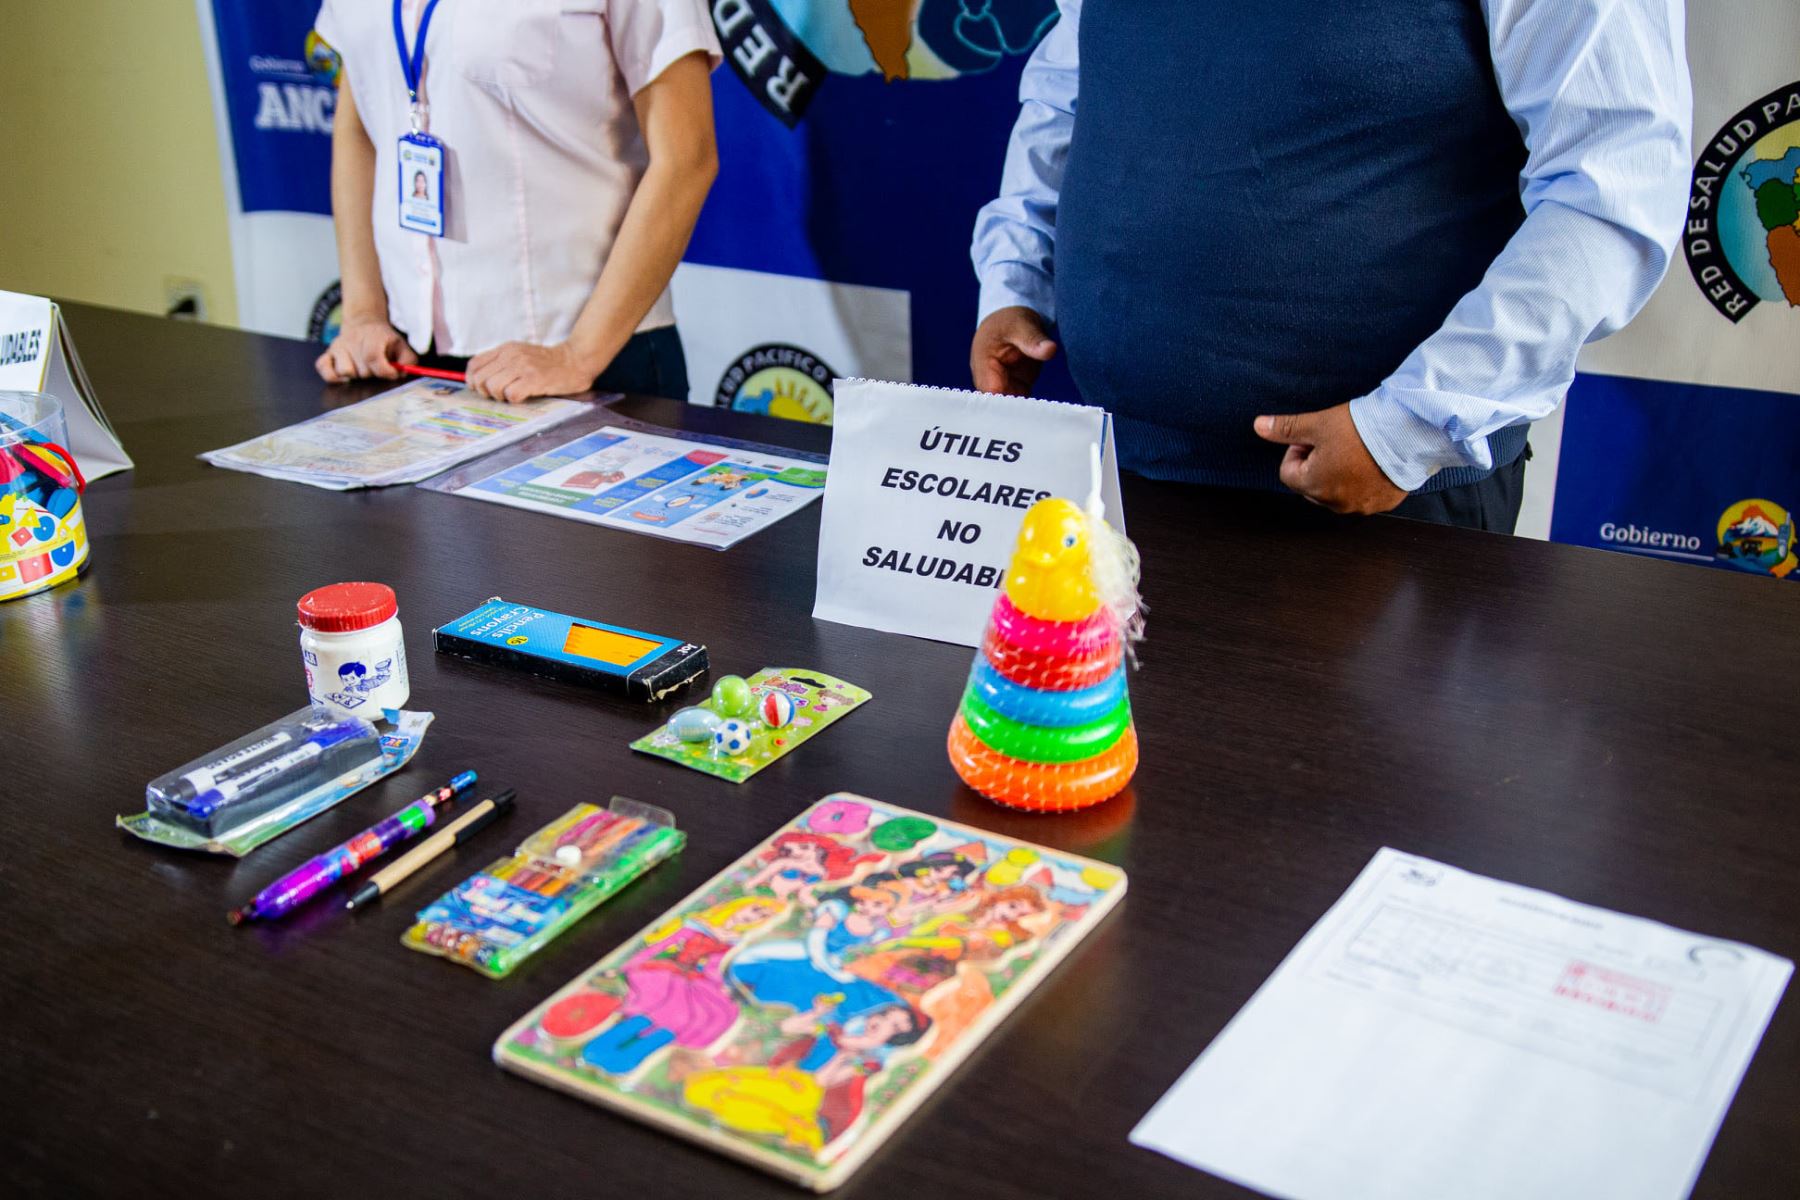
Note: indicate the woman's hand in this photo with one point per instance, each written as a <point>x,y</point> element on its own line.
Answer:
<point>518,371</point>
<point>363,350</point>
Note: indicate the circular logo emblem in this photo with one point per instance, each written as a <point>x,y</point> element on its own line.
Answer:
<point>1742,239</point>
<point>327,315</point>
<point>517,639</point>
<point>782,50</point>
<point>934,39</point>
<point>1758,535</point>
<point>322,60</point>
<point>780,380</point>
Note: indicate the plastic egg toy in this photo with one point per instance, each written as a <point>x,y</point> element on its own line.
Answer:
<point>731,737</point>
<point>694,724</point>
<point>731,697</point>
<point>776,710</point>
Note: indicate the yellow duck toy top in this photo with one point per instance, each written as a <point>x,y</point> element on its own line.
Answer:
<point>1051,576</point>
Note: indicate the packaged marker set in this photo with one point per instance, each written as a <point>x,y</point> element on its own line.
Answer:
<point>265,783</point>
<point>496,919</point>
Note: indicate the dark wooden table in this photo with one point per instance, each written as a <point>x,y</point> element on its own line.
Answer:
<point>1618,730</point>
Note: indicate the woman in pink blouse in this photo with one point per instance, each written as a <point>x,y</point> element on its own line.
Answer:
<point>573,144</point>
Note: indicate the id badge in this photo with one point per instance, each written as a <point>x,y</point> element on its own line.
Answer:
<point>422,184</point>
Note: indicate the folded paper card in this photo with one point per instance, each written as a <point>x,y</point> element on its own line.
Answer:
<point>37,354</point>
<point>928,488</point>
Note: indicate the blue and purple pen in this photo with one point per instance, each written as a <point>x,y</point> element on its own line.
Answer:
<point>315,875</point>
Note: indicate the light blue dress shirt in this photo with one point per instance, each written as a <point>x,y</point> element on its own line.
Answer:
<point>1600,91</point>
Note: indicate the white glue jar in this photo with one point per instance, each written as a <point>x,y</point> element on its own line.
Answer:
<point>350,640</point>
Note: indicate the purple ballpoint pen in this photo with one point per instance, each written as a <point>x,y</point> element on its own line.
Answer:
<point>315,875</point>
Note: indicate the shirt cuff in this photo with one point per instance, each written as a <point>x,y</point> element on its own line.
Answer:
<point>1009,284</point>
<point>1408,448</point>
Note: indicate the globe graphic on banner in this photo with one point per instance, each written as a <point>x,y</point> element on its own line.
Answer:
<point>916,39</point>
<point>1759,216</point>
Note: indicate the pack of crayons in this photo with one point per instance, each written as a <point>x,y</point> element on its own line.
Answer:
<point>496,919</point>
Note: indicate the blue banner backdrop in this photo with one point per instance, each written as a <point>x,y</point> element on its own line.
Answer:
<point>1682,436</point>
<point>858,138</point>
<point>274,95</point>
<point>279,87</point>
<point>1725,495</point>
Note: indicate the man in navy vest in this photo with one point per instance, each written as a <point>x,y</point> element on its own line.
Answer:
<point>1347,246</point>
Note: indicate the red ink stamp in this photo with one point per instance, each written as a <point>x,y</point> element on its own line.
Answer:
<point>1614,991</point>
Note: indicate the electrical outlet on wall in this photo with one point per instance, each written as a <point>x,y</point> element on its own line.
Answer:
<point>184,299</point>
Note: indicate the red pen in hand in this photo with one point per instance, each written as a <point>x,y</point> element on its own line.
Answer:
<point>429,372</point>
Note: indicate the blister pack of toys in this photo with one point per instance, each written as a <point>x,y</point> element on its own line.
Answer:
<point>749,723</point>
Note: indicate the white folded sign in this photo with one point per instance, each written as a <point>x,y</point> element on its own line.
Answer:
<point>925,494</point>
<point>38,355</point>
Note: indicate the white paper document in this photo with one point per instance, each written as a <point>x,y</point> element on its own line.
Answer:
<point>403,435</point>
<point>1442,1035</point>
<point>710,493</point>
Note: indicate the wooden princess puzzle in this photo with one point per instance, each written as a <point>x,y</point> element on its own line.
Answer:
<point>803,1002</point>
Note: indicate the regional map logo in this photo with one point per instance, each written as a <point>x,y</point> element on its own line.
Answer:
<point>1757,535</point>
<point>1742,239</point>
<point>322,60</point>
<point>779,380</point>
<point>784,49</point>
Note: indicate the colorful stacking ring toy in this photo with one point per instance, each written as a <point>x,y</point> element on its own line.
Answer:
<point>1035,706</point>
<point>1042,787</point>
<point>1056,639</point>
<point>1042,744</point>
<point>1049,672</point>
<point>1045,721</point>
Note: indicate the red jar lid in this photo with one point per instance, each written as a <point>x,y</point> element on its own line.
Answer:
<point>344,607</point>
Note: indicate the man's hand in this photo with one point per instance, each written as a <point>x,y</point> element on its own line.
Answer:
<point>1009,350</point>
<point>517,371</point>
<point>1327,462</point>
<point>364,349</point>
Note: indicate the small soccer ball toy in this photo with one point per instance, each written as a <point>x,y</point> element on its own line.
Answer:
<point>776,710</point>
<point>731,737</point>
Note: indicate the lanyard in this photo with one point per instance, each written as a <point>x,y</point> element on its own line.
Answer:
<point>412,64</point>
